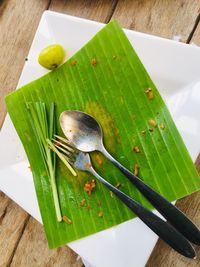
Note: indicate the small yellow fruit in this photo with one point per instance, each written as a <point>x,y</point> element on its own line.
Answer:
<point>51,56</point>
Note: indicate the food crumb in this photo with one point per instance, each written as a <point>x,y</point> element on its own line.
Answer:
<point>73,62</point>
<point>162,126</point>
<point>88,165</point>
<point>153,123</point>
<point>30,168</point>
<point>93,61</point>
<point>26,59</point>
<point>66,219</point>
<point>100,214</point>
<point>118,185</point>
<point>136,169</point>
<point>111,194</point>
<point>136,149</point>
<point>83,201</point>
<point>89,186</point>
<point>99,159</point>
<point>149,93</point>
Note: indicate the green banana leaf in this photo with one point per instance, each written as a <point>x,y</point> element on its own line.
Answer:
<point>114,90</point>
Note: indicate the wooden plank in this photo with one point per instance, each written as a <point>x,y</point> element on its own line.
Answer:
<point>18,22</point>
<point>196,37</point>
<point>33,250</point>
<point>12,223</point>
<point>99,10</point>
<point>158,17</point>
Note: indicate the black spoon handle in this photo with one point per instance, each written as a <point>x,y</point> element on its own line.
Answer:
<point>164,230</point>
<point>171,213</point>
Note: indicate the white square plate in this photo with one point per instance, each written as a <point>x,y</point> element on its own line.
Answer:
<point>174,67</point>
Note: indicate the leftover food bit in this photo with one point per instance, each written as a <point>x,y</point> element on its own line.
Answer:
<point>30,168</point>
<point>149,93</point>
<point>89,186</point>
<point>51,56</point>
<point>118,185</point>
<point>99,159</point>
<point>93,61</point>
<point>136,149</point>
<point>73,62</point>
<point>136,169</point>
<point>150,129</point>
<point>100,214</point>
<point>66,219</point>
<point>153,123</point>
<point>162,125</point>
<point>88,165</point>
<point>83,202</point>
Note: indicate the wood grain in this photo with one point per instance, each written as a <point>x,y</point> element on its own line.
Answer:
<point>164,18</point>
<point>33,250</point>
<point>196,37</point>
<point>12,223</point>
<point>18,22</point>
<point>99,10</point>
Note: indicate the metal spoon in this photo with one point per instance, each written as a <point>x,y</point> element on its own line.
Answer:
<point>85,133</point>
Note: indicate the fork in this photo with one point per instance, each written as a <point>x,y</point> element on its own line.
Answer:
<point>164,230</point>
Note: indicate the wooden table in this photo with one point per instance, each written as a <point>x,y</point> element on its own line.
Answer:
<point>22,240</point>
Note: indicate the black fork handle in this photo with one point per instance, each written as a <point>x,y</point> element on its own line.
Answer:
<point>164,230</point>
<point>171,213</point>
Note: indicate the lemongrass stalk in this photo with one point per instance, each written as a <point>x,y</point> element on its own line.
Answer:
<point>54,186</point>
<point>44,127</point>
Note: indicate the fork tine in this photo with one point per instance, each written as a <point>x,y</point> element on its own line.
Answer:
<point>62,139</point>
<point>67,153</point>
<point>63,145</point>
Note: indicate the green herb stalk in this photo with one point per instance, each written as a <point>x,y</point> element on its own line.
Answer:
<point>43,125</point>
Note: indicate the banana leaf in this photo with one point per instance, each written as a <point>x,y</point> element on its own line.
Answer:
<point>107,80</point>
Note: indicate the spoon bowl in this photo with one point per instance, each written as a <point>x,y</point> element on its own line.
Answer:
<point>82,130</point>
